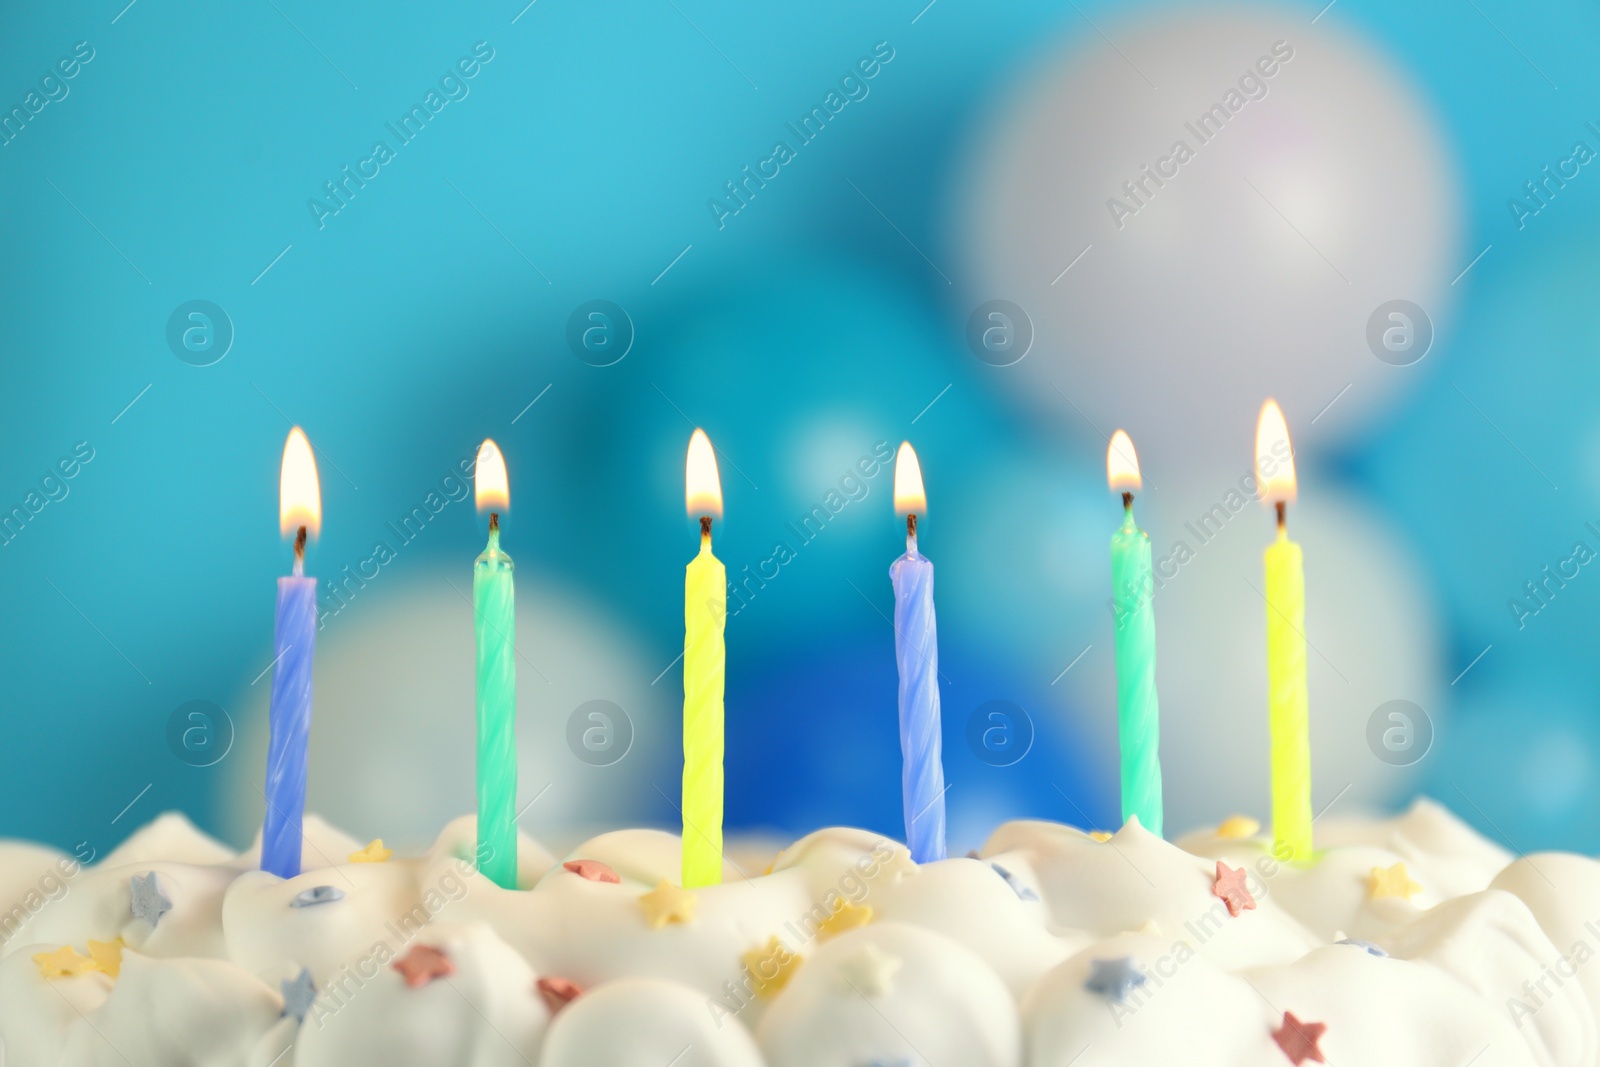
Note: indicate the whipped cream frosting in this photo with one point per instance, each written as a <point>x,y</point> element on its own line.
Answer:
<point>1409,941</point>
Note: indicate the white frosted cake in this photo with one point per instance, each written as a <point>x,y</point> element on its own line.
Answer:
<point>1410,942</point>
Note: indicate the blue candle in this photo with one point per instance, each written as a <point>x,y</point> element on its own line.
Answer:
<point>916,646</point>
<point>294,641</point>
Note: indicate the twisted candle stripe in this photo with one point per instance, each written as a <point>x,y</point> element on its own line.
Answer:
<point>917,654</point>
<point>1138,715</point>
<point>294,640</point>
<point>1288,701</point>
<point>494,618</point>
<point>705,608</point>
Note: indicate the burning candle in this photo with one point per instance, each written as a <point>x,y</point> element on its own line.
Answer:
<point>1132,581</point>
<point>1286,645</point>
<point>494,625</point>
<point>294,641</point>
<point>705,608</point>
<point>916,648</point>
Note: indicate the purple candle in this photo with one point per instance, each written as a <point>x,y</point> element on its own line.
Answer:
<point>294,641</point>
<point>916,647</point>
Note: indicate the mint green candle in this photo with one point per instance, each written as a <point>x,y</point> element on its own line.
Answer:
<point>1138,714</point>
<point>494,622</point>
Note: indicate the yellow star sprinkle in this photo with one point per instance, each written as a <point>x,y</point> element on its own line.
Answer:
<point>1237,827</point>
<point>1392,882</point>
<point>846,916</point>
<point>64,962</point>
<point>1100,835</point>
<point>770,967</point>
<point>373,853</point>
<point>666,903</point>
<point>107,956</point>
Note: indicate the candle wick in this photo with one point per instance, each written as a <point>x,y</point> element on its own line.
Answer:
<point>705,529</point>
<point>1282,508</point>
<point>300,553</point>
<point>494,522</point>
<point>1127,501</point>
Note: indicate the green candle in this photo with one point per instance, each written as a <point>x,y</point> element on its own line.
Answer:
<point>1138,713</point>
<point>494,622</point>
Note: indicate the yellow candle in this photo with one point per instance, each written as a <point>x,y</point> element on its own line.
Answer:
<point>705,607</point>
<point>1287,699</point>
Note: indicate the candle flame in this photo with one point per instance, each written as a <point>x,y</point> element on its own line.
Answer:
<point>909,496</point>
<point>299,491</point>
<point>1122,464</point>
<point>702,484</point>
<point>490,485</point>
<point>1274,456</point>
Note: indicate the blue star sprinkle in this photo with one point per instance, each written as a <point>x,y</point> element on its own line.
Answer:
<point>298,995</point>
<point>317,894</point>
<point>1022,891</point>
<point>149,902</point>
<point>1372,949</point>
<point>1114,978</point>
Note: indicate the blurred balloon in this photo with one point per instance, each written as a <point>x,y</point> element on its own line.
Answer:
<point>1217,207</point>
<point>1496,473</point>
<point>1519,763</point>
<point>822,747</point>
<point>395,753</point>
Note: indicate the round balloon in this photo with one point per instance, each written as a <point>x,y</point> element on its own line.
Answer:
<point>1217,207</point>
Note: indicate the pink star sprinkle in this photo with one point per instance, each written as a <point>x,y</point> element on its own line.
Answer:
<point>1231,888</point>
<point>1299,1040</point>
<point>558,992</point>
<point>593,870</point>
<point>422,965</point>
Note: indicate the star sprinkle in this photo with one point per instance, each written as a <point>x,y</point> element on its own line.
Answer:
<point>1371,949</point>
<point>1022,891</point>
<point>1114,979</point>
<point>1299,1040</point>
<point>592,870</point>
<point>373,853</point>
<point>298,995</point>
<point>667,903</point>
<point>317,894</point>
<point>149,902</point>
<point>107,956</point>
<point>1231,888</point>
<point>846,916</point>
<point>422,965</point>
<point>558,992</point>
<point>1101,836</point>
<point>1392,882</point>
<point>869,971</point>
<point>1238,827</point>
<point>64,962</point>
<point>771,967</point>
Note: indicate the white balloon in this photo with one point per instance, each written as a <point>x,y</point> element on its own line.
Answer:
<point>393,735</point>
<point>1309,197</point>
<point>1370,630</point>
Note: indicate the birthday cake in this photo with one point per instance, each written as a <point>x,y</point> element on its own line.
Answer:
<point>1408,941</point>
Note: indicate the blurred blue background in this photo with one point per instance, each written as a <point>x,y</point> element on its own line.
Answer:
<point>585,159</point>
